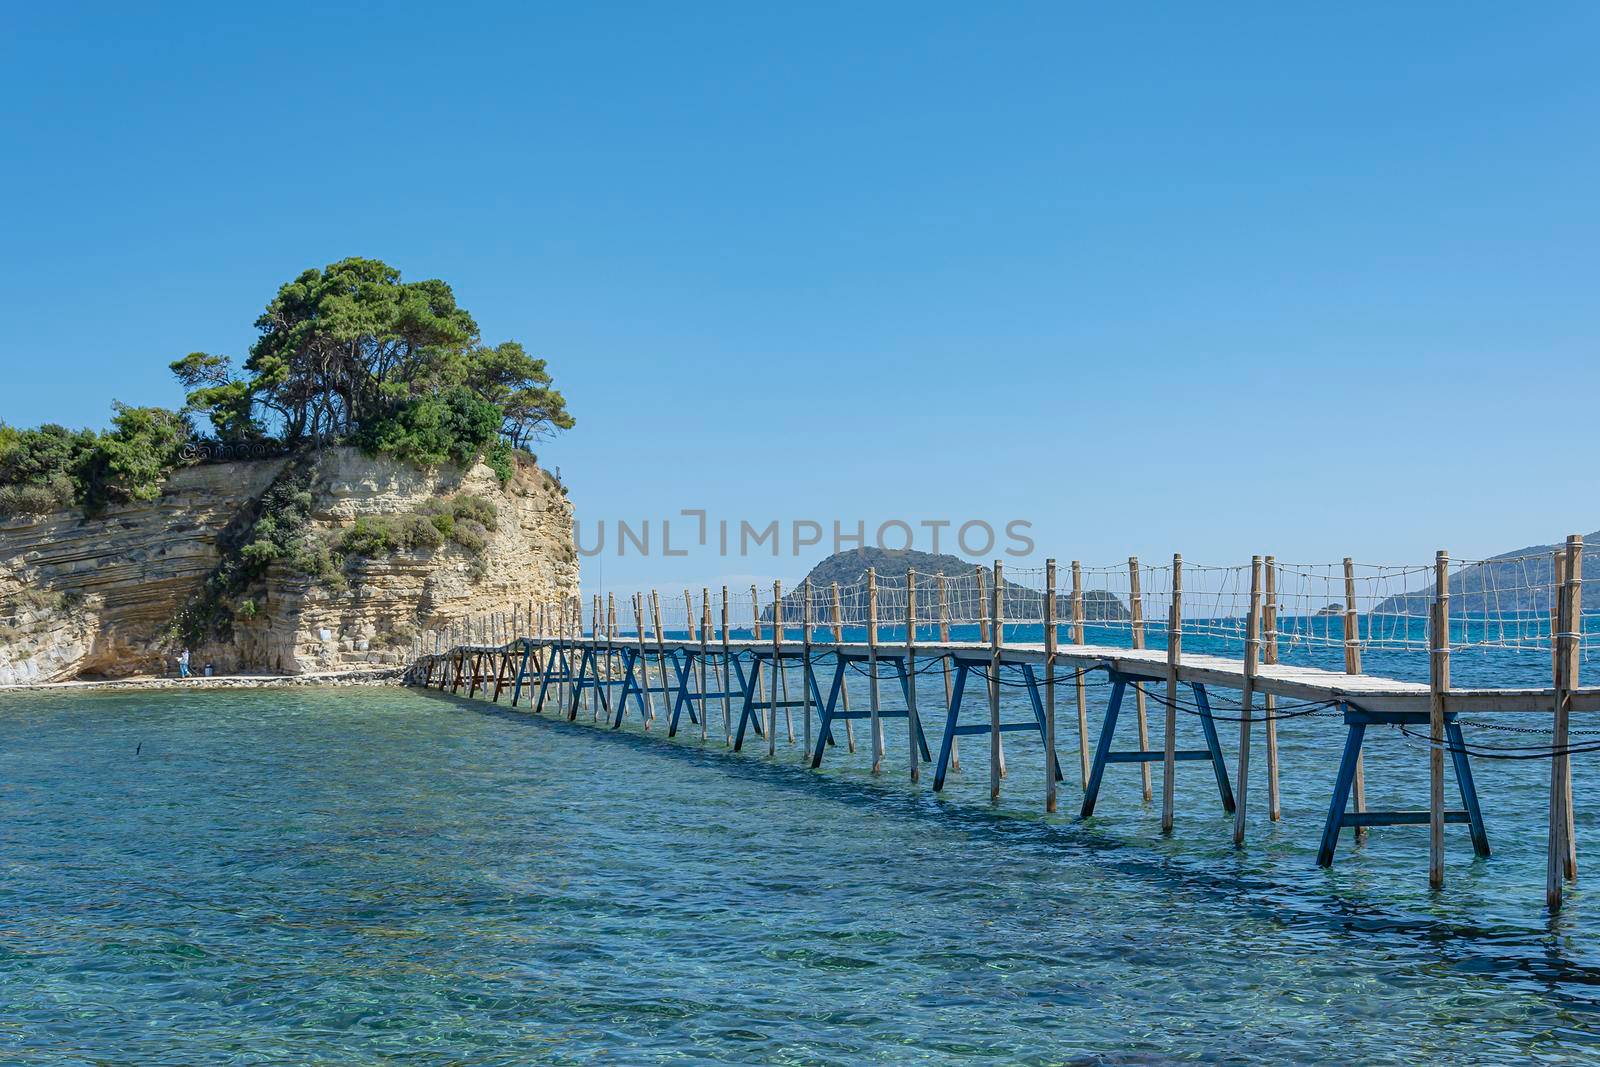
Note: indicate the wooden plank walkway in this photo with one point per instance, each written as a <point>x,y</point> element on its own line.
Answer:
<point>1371,692</point>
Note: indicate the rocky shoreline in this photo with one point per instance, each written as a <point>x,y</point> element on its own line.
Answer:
<point>384,676</point>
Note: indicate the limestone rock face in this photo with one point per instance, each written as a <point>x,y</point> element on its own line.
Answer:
<point>98,597</point>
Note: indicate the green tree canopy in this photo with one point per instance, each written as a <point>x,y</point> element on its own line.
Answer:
<point>351,351</point>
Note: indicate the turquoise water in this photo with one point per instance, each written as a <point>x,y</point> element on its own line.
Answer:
<point>348,876</point>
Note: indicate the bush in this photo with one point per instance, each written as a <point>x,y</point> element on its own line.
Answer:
<point>454,426</point>
<point>51,467</point>
<point>501,459</point>
<point>383,535</point>
<point>36,499</point>
<point>132,461</point>
<point>39,468</point>
<point>470,535</point>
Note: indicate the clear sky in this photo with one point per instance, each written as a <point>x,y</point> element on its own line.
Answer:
<point>1219,279</point>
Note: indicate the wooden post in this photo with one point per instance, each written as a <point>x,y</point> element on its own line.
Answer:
<point>1050,683</point>
<point>1574,656</point>
<point>1136,620</point>
<point>1269,654</point>
<point>805,656</point>
<point>1252,648</point>
<point>644,669</point>
<point>944,639</point>
<point>1078,639</point>
<point>1352,665</point>
<point>912,723</point>
<point>1558,585</point>
<point>1438,685</point>
<point>661,653</point>
<point>611,638</point>
<point>872,669</point>
<point>1174,654</point>
<point>777,667</point>
<point>596,623</point>
<point>985,612</point>
<point>997,627</point>
<point>705,637</point>
<point>778,670</point>
<point>844,685</point>
<point>688,614</point>
<point>1569,618</point>
<point>727,675</point>
<point>755,613</point>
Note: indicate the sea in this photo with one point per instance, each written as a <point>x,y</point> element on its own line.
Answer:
<point>385,875</point>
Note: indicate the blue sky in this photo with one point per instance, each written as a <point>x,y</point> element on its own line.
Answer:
<point>1214,279</point>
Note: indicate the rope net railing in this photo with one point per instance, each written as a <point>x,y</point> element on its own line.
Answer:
<point>1314,613</point>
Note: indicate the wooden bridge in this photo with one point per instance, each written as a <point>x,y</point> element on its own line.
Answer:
<point>670,674</point>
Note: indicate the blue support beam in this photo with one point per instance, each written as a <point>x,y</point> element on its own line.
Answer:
<point>1339,817</point>
<point>1104,755</point>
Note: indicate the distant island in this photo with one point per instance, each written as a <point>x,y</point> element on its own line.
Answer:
<point>1515,582</point>
<point>846,568</point>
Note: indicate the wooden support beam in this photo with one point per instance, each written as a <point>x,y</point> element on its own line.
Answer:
<point>1567,641</point>
<point>997,628</point>
<point>727,675</point>
<point>985,613</point>
<point>944,638</point>
<point>1136,618</point>
<point>913,727</point>
<point>872,670</point>
<point>1252,645</point>
<point>644,667</point>
<point>777,667</point>
<point>1269,655</point>
<point>661,652</point>
<point>705,635</point>
<point>1083,707</point>
<point>1438,686</point>
<point>1169,761</point>
<point>1050,688</point>
<point>1352,665</point>
<point>805,655</point>
<point>844,688</point>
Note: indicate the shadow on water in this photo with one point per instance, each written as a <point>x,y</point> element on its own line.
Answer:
<point>1468,947</point>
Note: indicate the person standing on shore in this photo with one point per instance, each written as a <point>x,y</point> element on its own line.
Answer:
<point>183,664</point>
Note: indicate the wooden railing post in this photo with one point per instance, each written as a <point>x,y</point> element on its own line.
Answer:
<point>1269,655</point>
<point>913,724</point>
<point>1438,686</point>
<point>1078,639</point>
<point>1174,654</point>
<point>1252,646</point>
<point>872,669</point>
<point>705,637</point>
<point>805,656</point>
<point>727,674</point>
<point>844,685</point>
<point>1352,665</point>
<point>1569,619</point>
<point>1050,683</point>
<point>1136,621</point>
<point>644,667</point>
<point>985,614</point>
<point>996,629</point>
<point>944,638</point>
<point>777,667</point>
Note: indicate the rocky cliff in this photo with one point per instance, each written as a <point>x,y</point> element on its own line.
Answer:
<point>100,597</point>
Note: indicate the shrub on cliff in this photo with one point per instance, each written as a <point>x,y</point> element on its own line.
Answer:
<point>464,519</point>
<point>51,467</point>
